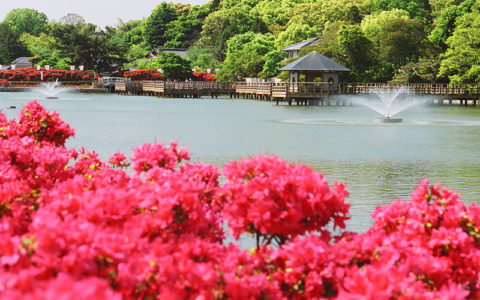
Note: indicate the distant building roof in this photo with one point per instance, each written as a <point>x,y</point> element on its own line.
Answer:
<point>156,52</point>
<point>177,51</point>
<point>300,45</point>
<point>22,62</point>
<point>315,62</point>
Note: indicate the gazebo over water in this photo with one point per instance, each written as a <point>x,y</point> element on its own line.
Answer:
<point>315,65</point>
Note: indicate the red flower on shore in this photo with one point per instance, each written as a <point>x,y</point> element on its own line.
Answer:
<point>32,74</point>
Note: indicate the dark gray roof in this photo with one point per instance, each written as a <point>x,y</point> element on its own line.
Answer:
<point>315,61</point>
<point>22,61</point>
<point>157,51</point>
<point>179,52</point>
<point>300,45</point>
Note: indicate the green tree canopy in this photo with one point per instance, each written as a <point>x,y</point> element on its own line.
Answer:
<point>357,51</point>
<point>41,47</point>
<point>447,21</point>
<point>401,41</point>
<point>173,66</point>
<point>246,55</point>
<point>461,62</point>
<point>26,20</point>
<point>426,70</point>
<point>83,45</point>
<point>156,25</point>
<point>72,19</point>
<point>418,9</point>
<point>185,31</point>
<point>372,24</point>
<point>202,59</point>
<point>272,63</point>
<point>129,37</point>
<point>10,45</point>
<point>224,24</point>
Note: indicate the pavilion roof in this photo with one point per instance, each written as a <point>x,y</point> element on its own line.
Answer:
<point>315,61</point>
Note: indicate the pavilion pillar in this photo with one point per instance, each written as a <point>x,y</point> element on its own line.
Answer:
<point>294,81</point>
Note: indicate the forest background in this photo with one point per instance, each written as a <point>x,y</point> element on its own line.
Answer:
<point>379,40</point>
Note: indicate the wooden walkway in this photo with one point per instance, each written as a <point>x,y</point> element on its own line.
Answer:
<point>310,93</point>
<point>171,89</point>
<point>313,93</point>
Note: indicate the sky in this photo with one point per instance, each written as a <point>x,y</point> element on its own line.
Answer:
<point>99,12</point>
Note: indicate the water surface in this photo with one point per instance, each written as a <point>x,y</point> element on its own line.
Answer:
<point>379,162</point>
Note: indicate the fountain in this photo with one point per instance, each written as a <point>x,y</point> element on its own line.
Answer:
<point>51,90</point>
<point>388,104</point>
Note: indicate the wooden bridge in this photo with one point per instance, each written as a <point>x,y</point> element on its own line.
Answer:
<point>181,89</point>
<point>318,93</point>
<point>309,93</point>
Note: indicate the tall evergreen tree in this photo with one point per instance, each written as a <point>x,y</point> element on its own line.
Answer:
<point>10,45</point>
<point>156,25</point>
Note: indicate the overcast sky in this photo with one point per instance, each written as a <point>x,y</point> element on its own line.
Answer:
<point>100,12</point>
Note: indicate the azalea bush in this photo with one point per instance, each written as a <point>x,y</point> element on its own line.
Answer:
<point>152,227</point>
<point>204,76</point>
<point>149,74</point>
<point>32,74</point>
<point>154,74</point>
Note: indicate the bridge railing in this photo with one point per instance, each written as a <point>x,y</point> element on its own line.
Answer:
<point>283,88</point>
<point>196,85</point>
<point>414,88</point>
<point>153,86</point>
<point>287,89</point>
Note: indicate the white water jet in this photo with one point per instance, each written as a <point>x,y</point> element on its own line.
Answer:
<point>51,89</point>
<point>388,103</point>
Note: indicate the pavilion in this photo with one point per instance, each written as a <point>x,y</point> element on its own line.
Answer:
<point>315,65</point>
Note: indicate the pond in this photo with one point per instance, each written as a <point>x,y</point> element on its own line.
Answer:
<point>379,162</point>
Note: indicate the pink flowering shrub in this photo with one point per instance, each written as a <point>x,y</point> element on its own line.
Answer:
<point>277,201</point>
<point>75,227</point>
<point>36,122</point>
<point>148,156</point>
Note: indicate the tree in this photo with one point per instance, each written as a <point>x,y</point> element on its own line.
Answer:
<point>343,10</point>
<point>72,19</point>
<point>202,59</point>
<point>246,55</point>
<point>156,24</point>
<point>401,41</point>
<point>83,45</point>
<point>372,24</point>
<point>224,24</point>
<point>274,12</point>
<point>328,42</point>
<point>446,23</point>
<point>296,32</point>
<point>43,52</point>
<point>26,20</point>
<point>358,52</point>
<point>173,66</point>
<point>423,71</point>
<point>272,63</point>
<point>10,45</point>
<point>461,60</point>
<point>417,9</point>
<point>129,36</point>
<point>185,31</point>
